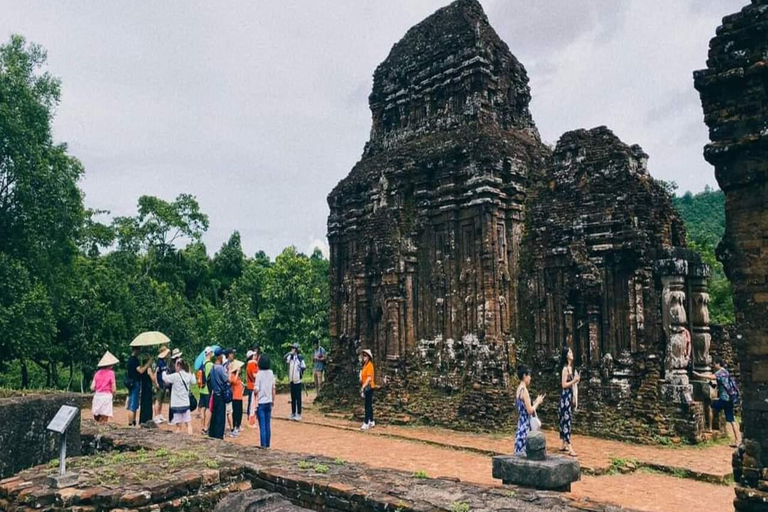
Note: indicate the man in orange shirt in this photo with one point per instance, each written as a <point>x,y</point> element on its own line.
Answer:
<point>251,369</point>
<point>366,388</point>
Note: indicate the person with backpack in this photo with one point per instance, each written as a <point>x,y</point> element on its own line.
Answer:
<point>133,383</point>
<point>180,383</point>
<point>161,370</point>
<point>727,395</point>
<point>296,367</point>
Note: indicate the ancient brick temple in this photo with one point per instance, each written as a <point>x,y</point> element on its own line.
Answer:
<point>605,272</point>
<point>734,95</point>
<point>430,268</point>
<point>425,231</point>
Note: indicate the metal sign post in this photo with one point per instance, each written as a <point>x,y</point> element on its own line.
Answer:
<point>59,424</point>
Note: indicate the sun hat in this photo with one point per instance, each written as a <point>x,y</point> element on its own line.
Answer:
<point>108,360</point>
<point>163,353</point>
<point>368,352</point>
<point>176,353</point>
<point>208,350</point>
<point>249,353</point>
<point>295,345</point>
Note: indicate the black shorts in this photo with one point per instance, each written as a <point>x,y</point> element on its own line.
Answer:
<point>724,405</point>
<point>203,401</point>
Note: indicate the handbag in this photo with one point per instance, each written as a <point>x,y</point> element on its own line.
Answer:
<point>192,399</point>
<point>535,423</point>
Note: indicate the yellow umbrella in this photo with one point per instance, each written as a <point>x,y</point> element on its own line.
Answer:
<point>147,339</point>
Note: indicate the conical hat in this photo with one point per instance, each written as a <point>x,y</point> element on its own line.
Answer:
<point>108,360</point>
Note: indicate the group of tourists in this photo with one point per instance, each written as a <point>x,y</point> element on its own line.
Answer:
<point>219,378</point>
<point>229,389</point>
<point>725,395</point>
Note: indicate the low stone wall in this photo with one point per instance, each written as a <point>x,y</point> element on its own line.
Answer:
<point>24,440</point>
<point>316,483</point>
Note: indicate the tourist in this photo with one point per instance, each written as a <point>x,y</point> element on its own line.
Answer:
<point>296,367</point>
<point>104,388</point>
<point>727,396</point>
<point>133,384</point>
<point>366,389</point>
<point>205,398</point>
<point>148,384</point>
<point>220,396</point>
<point>236,384</point>
<point>524,408</point>
<point>568,380</point>
<point>229,357</point>
<point>161,370</point>
<point>319,366</point>
<point>251,369</point>
<point>264,389</point>
<point>179,383</point>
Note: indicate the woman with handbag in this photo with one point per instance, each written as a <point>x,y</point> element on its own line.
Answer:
<point>568,398</point>
<point>366,388</point>
<point>525,409</point>
<point>182,401</point>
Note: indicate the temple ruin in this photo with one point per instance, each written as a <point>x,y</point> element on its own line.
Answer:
<point>734,95</point>
<point>461,245</point>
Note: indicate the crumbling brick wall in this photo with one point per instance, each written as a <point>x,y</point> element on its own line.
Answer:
<point>24,440</point>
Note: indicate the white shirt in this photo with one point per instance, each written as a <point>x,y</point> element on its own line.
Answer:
<point>265,380</point>
<point>295,365</point>
<point>179,393</point>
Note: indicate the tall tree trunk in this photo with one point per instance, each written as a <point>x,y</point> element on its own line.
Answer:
<point>71,375</point>
<point>54,375</point>
<point>24,375</point>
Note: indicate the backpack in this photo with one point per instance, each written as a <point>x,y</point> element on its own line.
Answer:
<point>732,389</point>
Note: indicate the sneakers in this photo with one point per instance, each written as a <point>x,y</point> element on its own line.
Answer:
<point>159,419</point>
<point>234,433</point>
<point>371,424</point>
<point>298,417</point>
<point>365,427</point>
<point>293,417</point>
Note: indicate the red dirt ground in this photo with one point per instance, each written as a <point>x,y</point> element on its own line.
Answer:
<point>332,437</point>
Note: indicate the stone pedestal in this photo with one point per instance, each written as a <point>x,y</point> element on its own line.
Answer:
<point>68,479</point>
<point>536,469</point>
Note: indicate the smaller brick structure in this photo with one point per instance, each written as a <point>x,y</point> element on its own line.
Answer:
<point>24,440</point>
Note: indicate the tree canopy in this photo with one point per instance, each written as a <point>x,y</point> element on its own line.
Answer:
<point>72,287</point>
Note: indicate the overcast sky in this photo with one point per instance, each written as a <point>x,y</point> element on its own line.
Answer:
<point>259,108</point>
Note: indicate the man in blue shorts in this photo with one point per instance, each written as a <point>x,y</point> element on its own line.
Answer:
<point>727,395</point>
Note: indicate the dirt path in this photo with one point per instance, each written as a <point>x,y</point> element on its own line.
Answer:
<point>640,490</point>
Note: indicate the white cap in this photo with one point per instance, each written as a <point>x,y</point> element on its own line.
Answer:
<point>249,353</point>
<point>208,350</point>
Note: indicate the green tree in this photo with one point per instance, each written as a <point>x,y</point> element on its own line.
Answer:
<point>41,206</point>
<point>295,303</point>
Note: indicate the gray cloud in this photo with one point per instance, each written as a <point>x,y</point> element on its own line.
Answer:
<point>259,108</point>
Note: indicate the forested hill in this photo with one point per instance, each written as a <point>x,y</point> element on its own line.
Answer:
<point>704,217</point>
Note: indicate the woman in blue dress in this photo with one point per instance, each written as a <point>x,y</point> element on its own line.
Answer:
<point>568,379</point>
<point>524,408</point>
